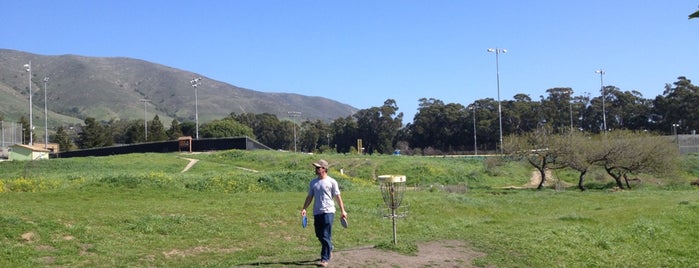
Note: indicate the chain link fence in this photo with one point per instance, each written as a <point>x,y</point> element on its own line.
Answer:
<point>687,143</point>
<point>10,134</point>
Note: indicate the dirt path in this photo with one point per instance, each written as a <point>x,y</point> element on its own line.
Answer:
<point>190,164</point>
<point>435,254</point>
<point>534,180</point>
<point>450,253</point>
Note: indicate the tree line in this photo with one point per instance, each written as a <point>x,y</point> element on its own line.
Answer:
<point>437,127</point>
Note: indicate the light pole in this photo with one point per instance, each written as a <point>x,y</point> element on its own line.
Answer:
<point>46,115</point>
<point>475,142</point>
<point>145,118</point>
<point>195,83</point>
<point>28,67</point>
<point>497,52</point>
<point>604,96</point>
<point>293,115</point>
<point>674,132</point>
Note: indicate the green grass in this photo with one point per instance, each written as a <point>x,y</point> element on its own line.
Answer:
<point>139,210</point>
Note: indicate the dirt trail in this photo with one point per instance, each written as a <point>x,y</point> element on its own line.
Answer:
<point>450,253</point>
<point>190,164</point>
<point>534,180</point>
<point>435,254</point>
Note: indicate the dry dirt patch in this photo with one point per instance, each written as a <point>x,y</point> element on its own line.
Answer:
<point>450,253</point>
<point>435,254</point>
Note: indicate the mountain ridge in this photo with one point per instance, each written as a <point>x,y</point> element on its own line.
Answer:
<point>113,88</point>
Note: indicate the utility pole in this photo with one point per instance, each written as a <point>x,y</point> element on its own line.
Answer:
<point>145,118</point>
<point>293,115</point>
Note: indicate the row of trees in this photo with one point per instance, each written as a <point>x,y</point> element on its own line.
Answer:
<point>437,127</point>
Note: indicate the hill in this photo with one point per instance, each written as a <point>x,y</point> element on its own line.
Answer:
<point>112,88</point>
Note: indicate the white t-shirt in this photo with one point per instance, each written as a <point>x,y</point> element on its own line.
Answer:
<point>323,191</point>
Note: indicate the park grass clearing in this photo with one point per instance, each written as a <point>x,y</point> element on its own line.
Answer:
<point>140,210</point>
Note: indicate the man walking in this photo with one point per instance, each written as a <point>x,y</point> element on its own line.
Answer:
<point>323,188</point>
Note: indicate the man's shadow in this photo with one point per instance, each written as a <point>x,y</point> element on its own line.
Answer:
<point>313,262</point>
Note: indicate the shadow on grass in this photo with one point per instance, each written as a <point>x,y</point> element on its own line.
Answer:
<point>312,263</point>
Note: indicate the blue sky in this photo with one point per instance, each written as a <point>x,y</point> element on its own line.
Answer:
<point>363,52</point>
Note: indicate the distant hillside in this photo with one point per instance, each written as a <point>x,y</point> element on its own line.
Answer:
<point>112,88</point>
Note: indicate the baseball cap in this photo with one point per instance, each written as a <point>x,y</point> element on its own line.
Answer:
<point>321,163</point>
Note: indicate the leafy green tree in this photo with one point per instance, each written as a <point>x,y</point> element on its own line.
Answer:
<point>133,132</point>
<point>488,122</point>
<point>595,113</point>
<point>119,130</point>
<point>156,130</point>
<point>94,135</point>
<point>268,129</point>
<point>677,105</point>
<point>175,131</point>
<point>313,134</point>
<point>189,128</point>
<point>440,126</point>
<point>63,140</point>
<point>224,128</point>
<point>345,134</point>
<point>580,103</point>
<point>631,110</point>
<point>557,108</point>
<point>378,126</point>
<point>525,114</point>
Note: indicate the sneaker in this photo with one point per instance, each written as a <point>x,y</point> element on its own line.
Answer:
<point>323,264</point>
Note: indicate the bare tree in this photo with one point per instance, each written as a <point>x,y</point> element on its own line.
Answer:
<point>625,152</point>
<point>538,147</point>
<point>579,152</point>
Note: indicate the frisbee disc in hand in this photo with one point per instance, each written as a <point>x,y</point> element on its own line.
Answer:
<point>343,221</point>
<point>304,221</point>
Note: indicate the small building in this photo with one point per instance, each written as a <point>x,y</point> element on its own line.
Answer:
<point>25,152</point>
<point>185,143</point>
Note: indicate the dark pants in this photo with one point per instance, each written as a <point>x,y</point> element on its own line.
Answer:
<point>323,224</point>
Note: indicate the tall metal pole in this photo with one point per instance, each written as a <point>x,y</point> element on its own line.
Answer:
<point>570,107</point>
<point>293,115</point>
<point>145,118</point>
<point>497,52</point>
<point>604,96</point>
<point>46,115</point>
<point>677,138</point>
<point>28,67</point>
<point>195,83</point>
<point>475,142</point>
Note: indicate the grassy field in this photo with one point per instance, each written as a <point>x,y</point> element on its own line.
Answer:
<point>242,208</point>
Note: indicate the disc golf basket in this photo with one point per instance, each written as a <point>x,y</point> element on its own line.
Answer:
<point>392,190</point>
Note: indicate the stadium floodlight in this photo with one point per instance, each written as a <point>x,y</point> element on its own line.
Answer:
<point>28,67</point>
<point>497,52</point>
<point>46,115</point>
<point>604,96</point>
<point>195,84</point>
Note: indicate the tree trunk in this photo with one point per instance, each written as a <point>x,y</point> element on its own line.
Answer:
<point>626,179</point>
<point>618,182</point>
<point>617,177</point>
<point>580,181</point>
<point>543,178</point>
